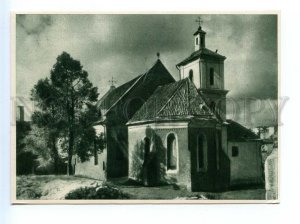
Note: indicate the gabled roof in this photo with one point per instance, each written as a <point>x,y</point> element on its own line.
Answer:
<point>200,54</point>
<point>140,87</point>
<point>113,95</point>
<point>237,132</point>
<point>178,100</point>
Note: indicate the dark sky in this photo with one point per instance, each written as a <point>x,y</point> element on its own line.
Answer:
<point>125,46</point>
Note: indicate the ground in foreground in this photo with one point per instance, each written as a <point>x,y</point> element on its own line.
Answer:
<point>53,187</point>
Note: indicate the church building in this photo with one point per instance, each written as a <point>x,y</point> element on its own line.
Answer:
<point>159,130</point>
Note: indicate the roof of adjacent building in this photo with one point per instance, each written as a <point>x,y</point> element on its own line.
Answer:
<point>140,87</point>
<point>237,132</point>
<point>113,94</point>
<point>200,54</point>
<point>178,100</point>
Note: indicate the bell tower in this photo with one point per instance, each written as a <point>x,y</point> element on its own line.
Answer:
<point>205,68</point>
<point>199,36</point>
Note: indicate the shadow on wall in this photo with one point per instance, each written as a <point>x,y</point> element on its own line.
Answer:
<point>224,172</point>
<point>148,164</point>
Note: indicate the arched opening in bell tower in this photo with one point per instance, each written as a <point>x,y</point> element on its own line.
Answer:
<point>191,75</point>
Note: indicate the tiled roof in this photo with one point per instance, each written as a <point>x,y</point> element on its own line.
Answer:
<point>177,100</point>
<point>199,54</point>
<point>237,132</point>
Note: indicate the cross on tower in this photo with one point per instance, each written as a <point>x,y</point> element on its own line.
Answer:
<point>199,20</point>
<point>112,81</point>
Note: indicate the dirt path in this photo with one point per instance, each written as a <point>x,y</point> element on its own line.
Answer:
<point>50,187</point>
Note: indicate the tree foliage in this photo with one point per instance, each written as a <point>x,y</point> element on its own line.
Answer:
<point>38,143</point>
<point>25,161</point>
<point>66,102</point>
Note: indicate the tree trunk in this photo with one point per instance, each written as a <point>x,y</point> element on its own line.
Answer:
<point>71,138</point>
<point>55,155</point>
<point>70,152</point>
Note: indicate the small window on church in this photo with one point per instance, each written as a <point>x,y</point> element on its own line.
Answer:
<point>197,41</point>
<point>235,151</point>
<point>211,76</point>
<point>191,75</point>
<point>171,152</point>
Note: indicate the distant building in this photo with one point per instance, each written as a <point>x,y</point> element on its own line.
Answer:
<point>159,130</point>
<point>266,132</point>
<point>20,113</point>
<point>24,108</point>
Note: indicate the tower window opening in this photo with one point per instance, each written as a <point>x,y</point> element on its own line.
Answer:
<point>191,75</point>
<point>202,41</point>
<point>197,41</point>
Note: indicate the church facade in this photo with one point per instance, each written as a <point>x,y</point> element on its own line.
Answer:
<point>177,132</point>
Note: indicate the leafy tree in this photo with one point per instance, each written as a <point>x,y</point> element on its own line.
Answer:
<point>65,101</point>
<point>48,117</point>
<point>37,143</point>
<point>22,130</point>
<point>25,161</point>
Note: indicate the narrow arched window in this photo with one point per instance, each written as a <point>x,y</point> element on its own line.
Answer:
<point>197,41</point>
<point>146,148</point>
<point>201,152</point>
<point>211,76</point>
<point>191,75</point>
<point>171,152</point>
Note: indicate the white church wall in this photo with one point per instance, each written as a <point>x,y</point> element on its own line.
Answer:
<point>246,167</point>
<point>136,136</point>
<point>196,72</point>
<point>218,67</point>
<point>94,167</point>
<point>91,169</point>
<point>201,70</point>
